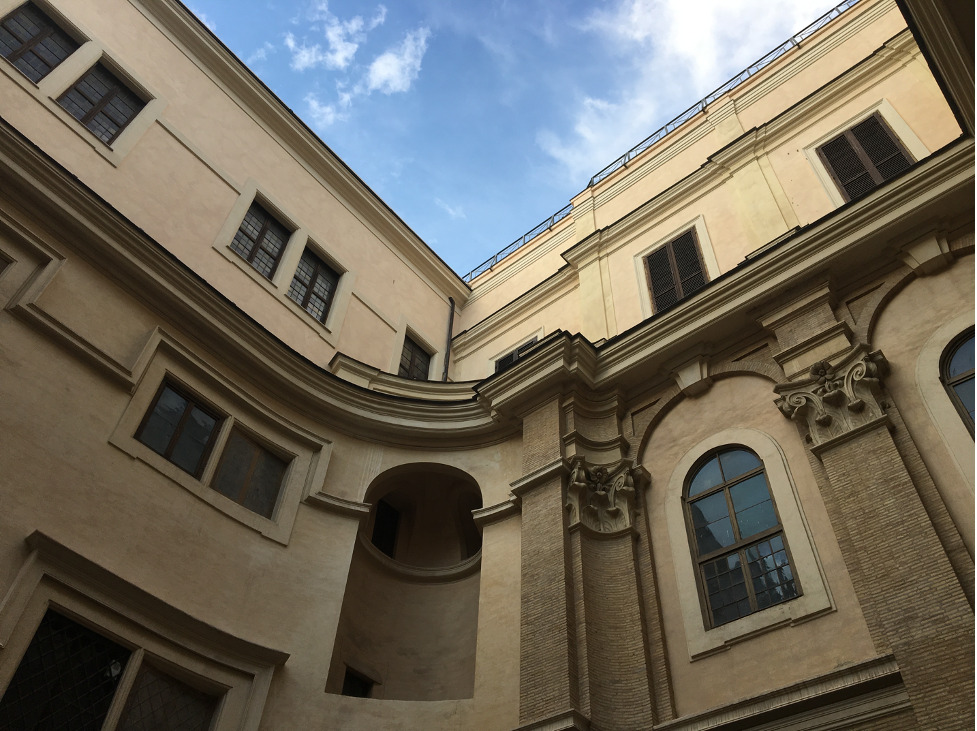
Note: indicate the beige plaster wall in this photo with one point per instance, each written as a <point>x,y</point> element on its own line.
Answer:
<point>766,660</point>
<point>904,327</point>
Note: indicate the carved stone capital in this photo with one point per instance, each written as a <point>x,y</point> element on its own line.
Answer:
<point>836,398</point>
<point>603,498</point>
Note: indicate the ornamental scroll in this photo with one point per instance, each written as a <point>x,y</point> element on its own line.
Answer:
<point>836,398</point>
<point>603,498</point>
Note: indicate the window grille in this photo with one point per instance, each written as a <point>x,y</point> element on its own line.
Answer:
<point>356,686</point>
<point>178,428</point>
<point>101,102</point>
<point>957,374</point>
<point>863,157</point>
<point>415,363</point>
<point>675,270</point>
<point>742,560</point>
<point>510,358</point>
<point>261,240</point>
<point>159,701</point>
<point>314,286</point>
<point>34,43</point>
<point>249,474</point>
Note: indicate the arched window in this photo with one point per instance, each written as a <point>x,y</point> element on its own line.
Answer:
<point>957,374</point>
<point>738,545</point>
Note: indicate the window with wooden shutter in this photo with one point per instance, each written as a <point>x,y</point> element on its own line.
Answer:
<point>415,362</point>
<point>510,358</point>
<point>314,285</point>
<point>261,240</point>
<point>675,270</point>
<point>863,157</point>
<point>102,102</point>
<point>34,43</point>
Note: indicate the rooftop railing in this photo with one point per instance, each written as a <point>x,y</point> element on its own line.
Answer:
<point>700,106</point>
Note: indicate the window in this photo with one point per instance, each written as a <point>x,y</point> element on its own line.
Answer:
<point>355,685</point>
<point>69,677</point>
<point>33,43</point>
<point>415,363</point>
<point>101,102</point>
<point>675,270</point>
<point>957,374</point>
<point>507,360</point>
<point>733,524</point>
<point>260,240</point>
<point>386,524</point>
<point>249,474</point>
<point>179,429</point>
<point>314,285</point>
<point>864,157</point>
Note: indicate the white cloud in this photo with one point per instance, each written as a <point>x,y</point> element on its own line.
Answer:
<point>343,39</point>
<point>455,212</point>
<point>261,54</point>
<point>322,115</point>
<point>204,19</point>
<point>673,53</point>
<point>396,69</point>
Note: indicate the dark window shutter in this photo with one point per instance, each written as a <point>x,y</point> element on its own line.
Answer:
<point>688,265</point>
<point>505,361</point>
<point>660,278</point>
<point>848,170</point>
<point>525,348</point>
<point>880,146</point>
<point>675,270</point>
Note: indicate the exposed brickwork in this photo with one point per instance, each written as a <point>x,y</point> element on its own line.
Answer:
<point>579,613</point>
<point>541,443</point>
<point>620,696</point>
<point>903,577</point>
<point>902,721</point>
<point>807,324</point>
<point>548,664</point>
<point>661,681</point>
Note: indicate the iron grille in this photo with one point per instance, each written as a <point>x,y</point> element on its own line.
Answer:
<point>160,702</point>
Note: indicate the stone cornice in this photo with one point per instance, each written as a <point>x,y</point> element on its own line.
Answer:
<point>367,376</point>
<point>421,574</point>
<point>31,181</point>
<point>259,102</point>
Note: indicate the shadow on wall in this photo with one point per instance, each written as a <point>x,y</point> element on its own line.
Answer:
<point>408,626</point>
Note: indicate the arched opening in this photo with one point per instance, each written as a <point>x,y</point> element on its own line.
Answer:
<point>407,629</point>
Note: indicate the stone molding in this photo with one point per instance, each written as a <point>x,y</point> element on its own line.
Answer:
<point>601,498</point>
<point>421,574</point>
<point>566,721</point>
<point>838,398</point>
<point>495,513</point>
<point>525,484</point>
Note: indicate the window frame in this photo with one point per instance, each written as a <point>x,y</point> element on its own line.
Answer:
<point>255,441</point>
<point>259,239</point>
<point>321,264</point>
<point>948,382</point>
<point>417,347</point>
<point>120,83</point>
<point>740,545</point>
<point>673,266</point>
<point>192,402</point>
<point>74,36</point>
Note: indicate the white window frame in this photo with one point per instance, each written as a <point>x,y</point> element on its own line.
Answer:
<point>405,328</point>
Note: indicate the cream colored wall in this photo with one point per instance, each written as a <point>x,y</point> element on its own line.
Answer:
<point>761,661</point>
<point>161,176</point>
<point>904,327</point>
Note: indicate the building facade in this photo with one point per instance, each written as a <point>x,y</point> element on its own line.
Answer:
<point>697,454</point>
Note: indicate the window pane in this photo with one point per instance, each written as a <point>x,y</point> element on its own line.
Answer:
<point>266,480</point>
<point>962,360</point>
<point>66,679</point>
<point>726,589</point>
<point>770,571</point>
<point>234,467</point>
<point>754,509</point>
<point>965,392</point>
<point>738,462</point>
<point>708,476</point>
<point>713,529</point>
<point>193,441</point>
<point>161,425</point>
<point>159,701</point>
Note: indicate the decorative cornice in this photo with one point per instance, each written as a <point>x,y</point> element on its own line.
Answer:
<point>566,721</point>
<point>372,378</point>
<point>421,574</point>
<point>556,468</point>
<point>604,499</point>
<point>339,506</point>
<point>495,513</point>
<point>837,398</point>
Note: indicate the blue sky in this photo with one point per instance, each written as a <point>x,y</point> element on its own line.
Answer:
<point>476,120</point>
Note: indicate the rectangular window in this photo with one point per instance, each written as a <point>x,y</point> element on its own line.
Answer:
<point>675,270</point>
<point>261,240</point>
<point>249,474</point>
<point>179,429</point>
<point>314,285</point>
<point>355,685</point>
<point>102,102</point>
<point>415,363</point>
<point>69,677</point>
<point>863,157</point>
<point>510,358</point>
<point>32,42</point>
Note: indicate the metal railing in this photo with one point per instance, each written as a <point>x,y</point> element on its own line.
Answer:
<point>701,105</point>
<point>520,242</point>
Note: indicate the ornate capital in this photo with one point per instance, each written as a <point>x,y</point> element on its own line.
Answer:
<point>603,498</point>
<point>838,398</point>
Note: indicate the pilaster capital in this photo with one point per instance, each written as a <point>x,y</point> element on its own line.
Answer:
<point>604,498</point>
<point>836,398</point>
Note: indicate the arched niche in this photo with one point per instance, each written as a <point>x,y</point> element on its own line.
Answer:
<point>408,625</point>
